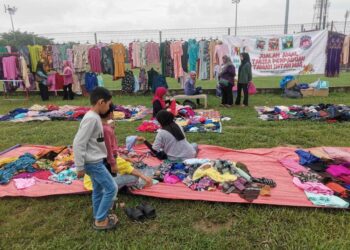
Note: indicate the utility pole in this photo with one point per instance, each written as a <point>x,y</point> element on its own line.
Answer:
<point>325,13</point>
<point>236,2</point>
<point>321,12</point>
<point>286,18</point>
<point>11,11</point>
<point>347,13</point>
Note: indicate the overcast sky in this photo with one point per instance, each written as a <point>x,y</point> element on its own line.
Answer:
<point>52,16</point>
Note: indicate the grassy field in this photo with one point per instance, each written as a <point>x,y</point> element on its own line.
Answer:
<point>65,221</point>
<point>260,82</point>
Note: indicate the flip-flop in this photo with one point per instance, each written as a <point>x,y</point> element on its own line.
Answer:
<point>112,224</point>
<point>134,214</point>
<point>148,211</point>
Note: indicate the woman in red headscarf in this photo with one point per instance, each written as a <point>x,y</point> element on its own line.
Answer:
<point>158,101</point>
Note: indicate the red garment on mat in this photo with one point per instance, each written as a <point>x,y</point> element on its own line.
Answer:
<point>52,107</point>
<point>148,126</point>
<point>59,81</point>
<point>43,175</point>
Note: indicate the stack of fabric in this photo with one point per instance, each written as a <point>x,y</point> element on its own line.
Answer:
<point>320,112</point>
<point>69,113</point>
<point>200,121</point>
<point>323,174</point>
<point>207,175</point>
<point>27,170</point>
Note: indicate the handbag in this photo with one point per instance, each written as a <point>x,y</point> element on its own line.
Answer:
<point>223,83</point>
<point>251,88</point>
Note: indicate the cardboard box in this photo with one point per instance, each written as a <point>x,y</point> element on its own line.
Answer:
<point>321,92</point>
<point>314,92</point>
<point>307,92</point>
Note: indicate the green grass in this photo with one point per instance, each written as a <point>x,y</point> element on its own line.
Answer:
<point>260,82</point>
<point>65,221</point>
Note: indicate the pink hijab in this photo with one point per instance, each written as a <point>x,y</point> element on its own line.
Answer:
<point>160,93</point>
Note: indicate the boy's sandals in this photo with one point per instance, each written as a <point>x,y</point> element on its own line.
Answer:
<point>112,223</point>
<point>134,214</point>
<point>148,211</point>
<point>141,212</point>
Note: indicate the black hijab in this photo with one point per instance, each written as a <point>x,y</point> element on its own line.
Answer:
<point>166,120</point>
<point>246,59</point>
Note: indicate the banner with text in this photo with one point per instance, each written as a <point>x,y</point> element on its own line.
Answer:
<point>303,53</point>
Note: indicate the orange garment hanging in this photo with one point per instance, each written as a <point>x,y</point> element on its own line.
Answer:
<point>212,45</point>
<point>176,54</point>
<point>119,60</point>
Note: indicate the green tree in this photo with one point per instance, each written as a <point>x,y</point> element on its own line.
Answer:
<point>18,39</point>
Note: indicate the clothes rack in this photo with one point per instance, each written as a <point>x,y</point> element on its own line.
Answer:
<point>7,94</point>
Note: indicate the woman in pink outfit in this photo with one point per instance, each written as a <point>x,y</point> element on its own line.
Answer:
<point>68,82</point>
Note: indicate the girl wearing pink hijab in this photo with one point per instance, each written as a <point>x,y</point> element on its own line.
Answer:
<point>158,101</point>
<point>68,82</point>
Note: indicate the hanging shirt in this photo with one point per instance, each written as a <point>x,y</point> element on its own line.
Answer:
<point>131,61</point>
<point>193,50</point>
<point>107,60</point>
<point>24,72</point>
<point>142,55</point>
<point>63,52</point>
<point>212,45</point>
<point>184,57</point>
<point>152,53</point>
<point>136,54</point>
<point>9,67</point>
<point>176,54</point>
<point>204,67</point>
<point>67,76</point>
<point>119,60</point>
<point>56,60</point>
<point>100,81</point>
<point>90,81</point>
<point>95,59</point>
<point>346,50</point>
<point>220,51</point>
<point>46,55</point>
<point>35,55</point>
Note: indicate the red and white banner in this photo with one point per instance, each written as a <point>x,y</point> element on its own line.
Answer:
<point>303,53</point>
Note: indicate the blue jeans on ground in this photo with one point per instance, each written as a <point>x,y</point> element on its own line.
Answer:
<point>132,180</point>
<point>104,189</point>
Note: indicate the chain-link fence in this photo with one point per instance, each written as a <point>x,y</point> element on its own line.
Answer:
<point>128,36</point>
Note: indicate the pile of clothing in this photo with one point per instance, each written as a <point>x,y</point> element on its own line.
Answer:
<point>69,113</point>
<point>323,174</point>
<point>27,170</point>
<point>212,175</point>
<point>321,112</point>
<point>130,113</point>
<point>293,89</point>
<point>191,121</point>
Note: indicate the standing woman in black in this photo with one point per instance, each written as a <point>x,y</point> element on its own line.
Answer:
<point>244,77</point>
<point>41,78</point>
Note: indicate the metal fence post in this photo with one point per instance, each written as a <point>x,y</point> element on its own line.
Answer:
<point>95,35</point>
<point>34,42</point>
<point>160,37</point>
<point>302,28</point>
<point>332,26</point>
<point>229,31</point>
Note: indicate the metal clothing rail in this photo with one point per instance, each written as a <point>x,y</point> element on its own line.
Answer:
<point>7,93</point>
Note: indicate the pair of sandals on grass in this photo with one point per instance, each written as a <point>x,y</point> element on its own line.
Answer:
<point>139,213</point>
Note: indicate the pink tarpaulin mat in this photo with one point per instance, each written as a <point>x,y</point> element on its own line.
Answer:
<point>41,188</point>
<point>261,162</point>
